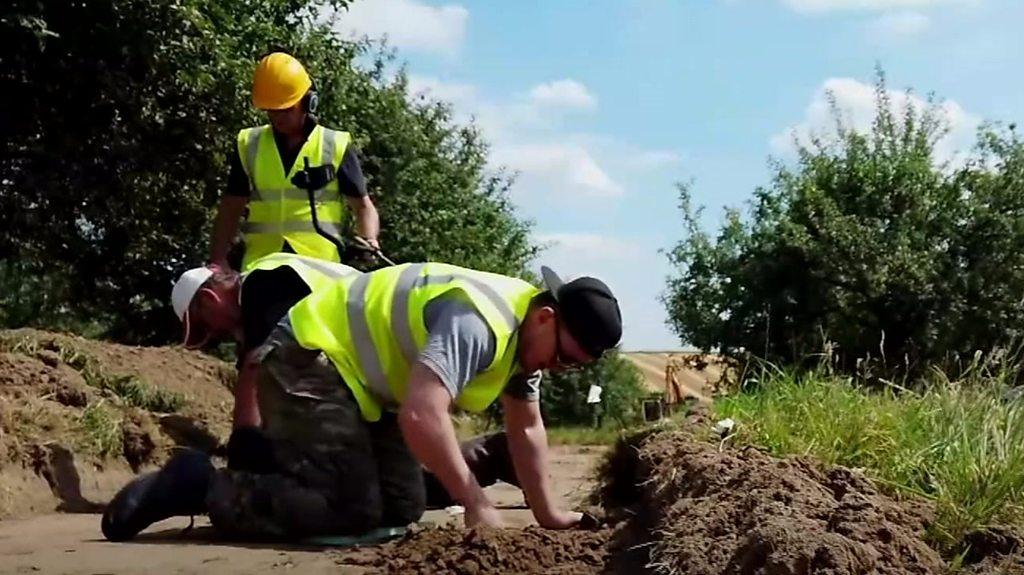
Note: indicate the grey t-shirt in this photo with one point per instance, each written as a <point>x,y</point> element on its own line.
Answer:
<point>460,345</point>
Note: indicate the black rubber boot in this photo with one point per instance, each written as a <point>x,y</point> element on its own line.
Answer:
<point>488,459</point>
<point>177,489</point>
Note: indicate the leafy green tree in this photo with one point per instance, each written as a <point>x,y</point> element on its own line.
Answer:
<point>118,119</point>
<point>869,246</point>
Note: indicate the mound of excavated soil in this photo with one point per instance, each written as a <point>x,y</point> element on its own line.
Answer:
<point>741,511</point>
<point>75,424</point>
<point>683,505</point>
<point>203,380</point>
<point>480,551</point>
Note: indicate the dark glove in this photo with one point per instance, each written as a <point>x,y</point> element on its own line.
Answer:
<point>249,449</point>
<point>367,260</point>
<point>359,257</point>
<point>489,459</point>
<point>591,521</point>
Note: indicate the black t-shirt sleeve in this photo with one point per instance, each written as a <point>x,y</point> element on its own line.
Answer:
<point>351,181</point>
<point>267,295</point>
<point>238,181</point>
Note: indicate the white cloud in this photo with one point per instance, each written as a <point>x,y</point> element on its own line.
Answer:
<point>627,155</point>
<point>407,24</point>
<point>565,93</point>
<point>898,25</point>
<point>504,120</point>
<point>856,103</point>
<point>579,250</point>
<point>528,137</point>
<point>558,168</point>
<point>453,92</point>
<point>836,5</point>
<point>507,121</point>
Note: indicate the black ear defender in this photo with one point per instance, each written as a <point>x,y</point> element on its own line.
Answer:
<point>310,100</point>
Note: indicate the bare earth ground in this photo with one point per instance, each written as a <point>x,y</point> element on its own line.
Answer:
<point>78,418</point>
<point>72,543</point>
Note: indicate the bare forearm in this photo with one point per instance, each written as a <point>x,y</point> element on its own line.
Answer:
<point>367,219</point>
<point>529,449</point>
<point>528,444</point>
<point>225,226</point>
<point>431,438</point>
<point>246,412</point>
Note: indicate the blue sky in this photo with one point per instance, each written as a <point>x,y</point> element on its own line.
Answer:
<point>602,106</point>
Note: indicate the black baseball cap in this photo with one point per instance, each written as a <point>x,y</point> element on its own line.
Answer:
<point>589,310</point>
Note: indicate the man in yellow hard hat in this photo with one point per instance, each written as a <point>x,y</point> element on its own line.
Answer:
<point>265,160</point>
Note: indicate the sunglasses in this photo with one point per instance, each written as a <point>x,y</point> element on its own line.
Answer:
<point>562,361</point>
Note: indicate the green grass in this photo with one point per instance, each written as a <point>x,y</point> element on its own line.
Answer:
<point>103,433</point>
<point>960,444</point>
<point>137,393</point>
<point>584,435</point>
<point>468,426</point>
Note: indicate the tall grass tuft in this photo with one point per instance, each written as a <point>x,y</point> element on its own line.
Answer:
<point>959,443</point>
<point>137,393</point>
<point>104,434</point>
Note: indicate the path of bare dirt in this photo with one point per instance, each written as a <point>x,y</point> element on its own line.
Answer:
<point>78,418</point>
<point>72,543</point>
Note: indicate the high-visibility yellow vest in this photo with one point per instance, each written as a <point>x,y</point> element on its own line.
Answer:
<point>372,328</point>
<point>278,211</point>
<point>317,274</point>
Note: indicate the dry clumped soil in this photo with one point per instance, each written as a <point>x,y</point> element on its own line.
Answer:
<point>675,502</point>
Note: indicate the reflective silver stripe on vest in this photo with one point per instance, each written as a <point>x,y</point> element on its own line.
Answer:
<point>286,227</point>
<point>327,147</point>
<point>251,150</point>
<point>410,279</point>
<point>359,329</point>
<point>499,302</point>
<point>273,194</point>
<point>400,312</point>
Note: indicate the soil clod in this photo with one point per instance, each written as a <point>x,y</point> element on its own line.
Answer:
<point>479,551</point>
<point>741,511</point>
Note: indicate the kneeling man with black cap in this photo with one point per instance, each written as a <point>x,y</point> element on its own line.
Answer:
<point>356,387</point>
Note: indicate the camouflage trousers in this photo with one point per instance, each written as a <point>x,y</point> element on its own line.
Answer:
<point>331,472</point>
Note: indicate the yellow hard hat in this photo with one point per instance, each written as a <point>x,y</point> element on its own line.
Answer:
<point>280,82</point>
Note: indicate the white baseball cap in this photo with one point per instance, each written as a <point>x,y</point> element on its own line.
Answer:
<point>185,289</point>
